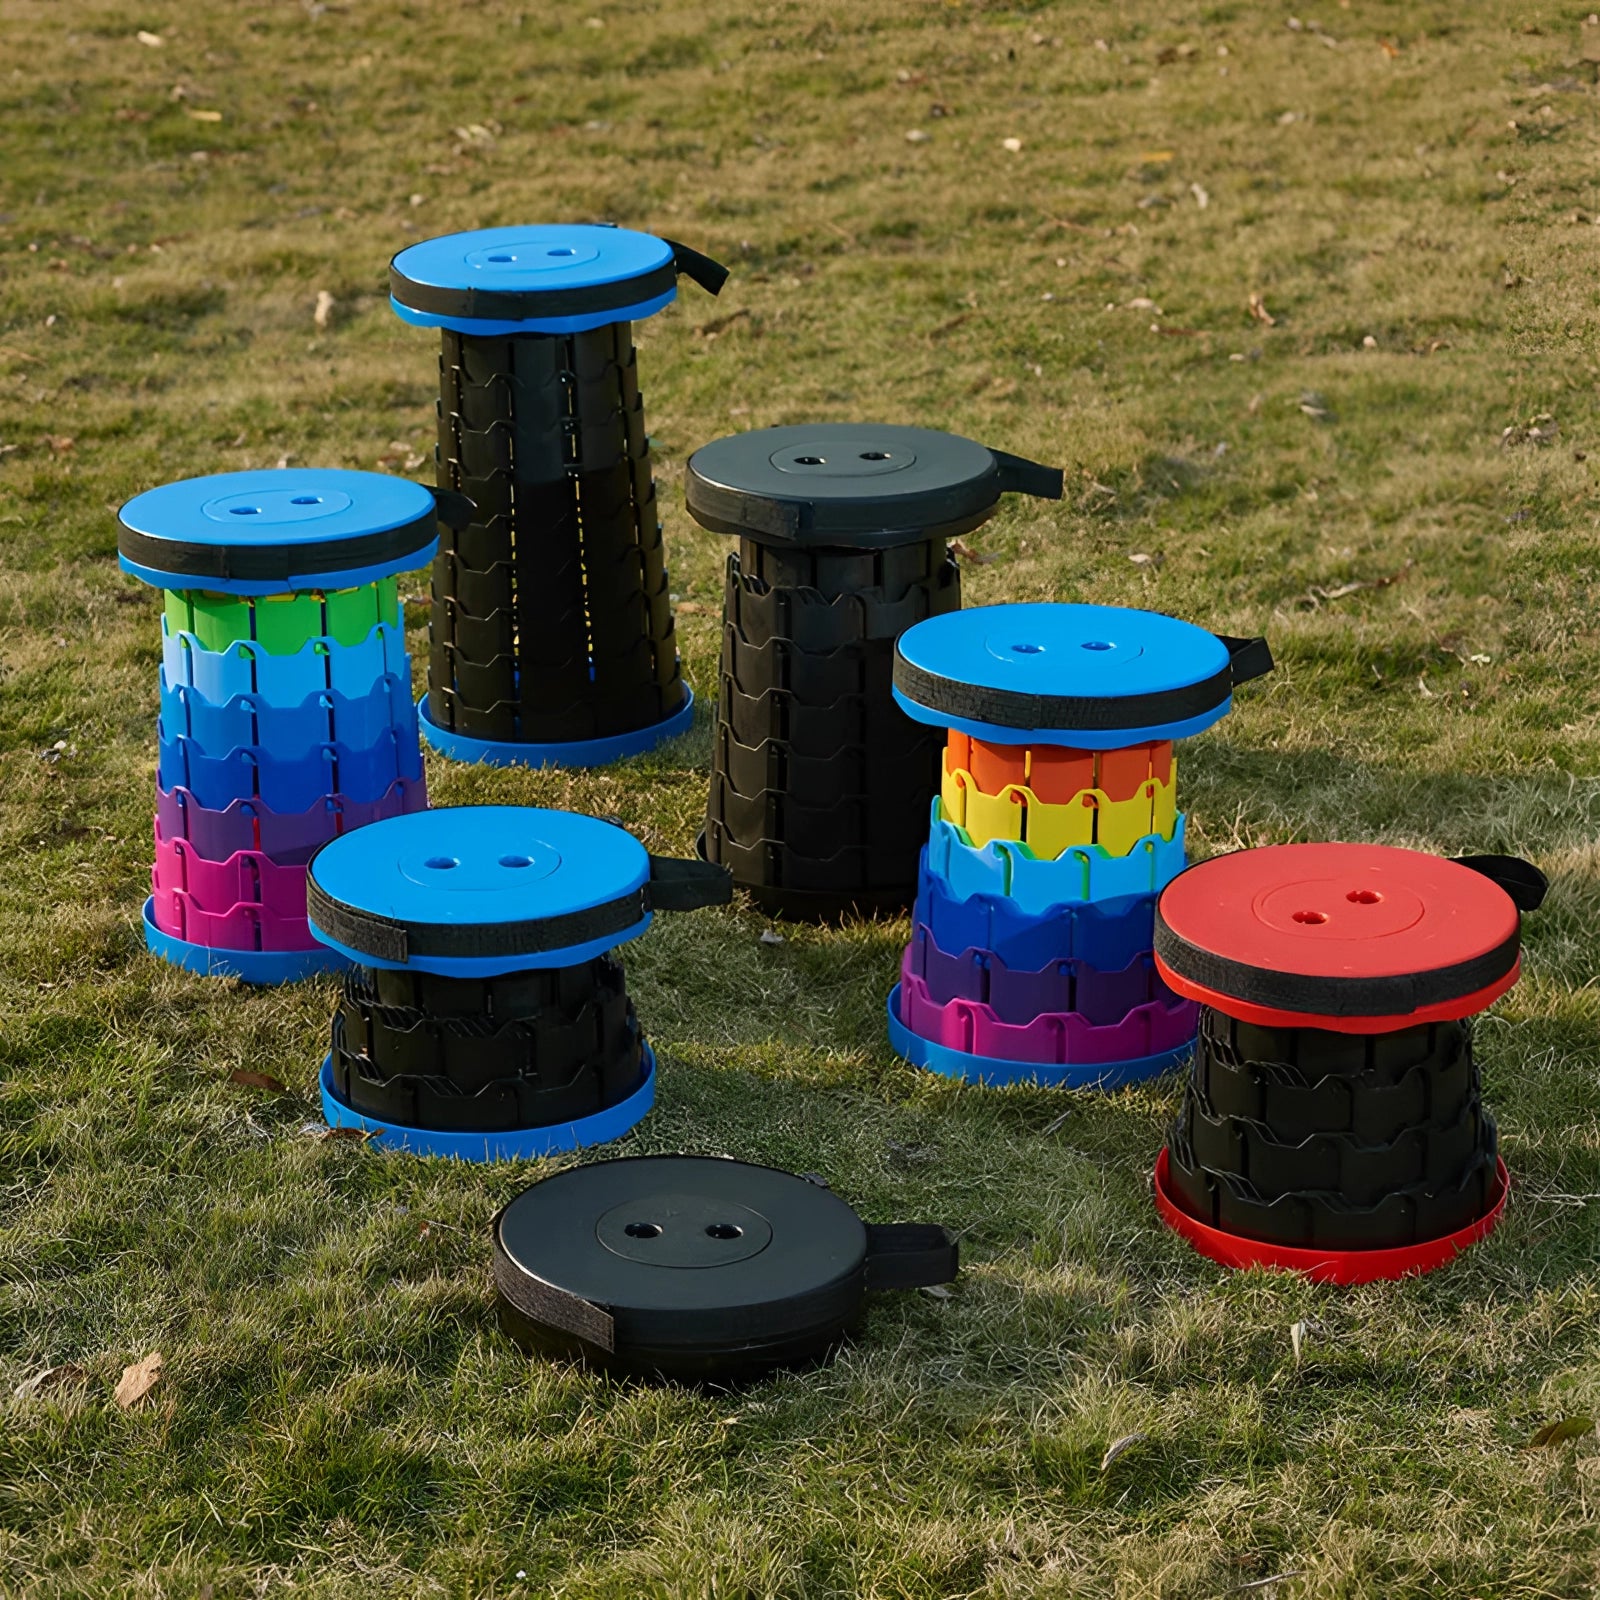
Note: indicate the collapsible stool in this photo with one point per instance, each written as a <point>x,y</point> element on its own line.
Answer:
<point>551,633</point>
<point>1056,826</point>
<point>819,784</point>
<point>698,1269</point>
<point>487,1016</point>
<point>1333,1122</point>
<point>286,715</point>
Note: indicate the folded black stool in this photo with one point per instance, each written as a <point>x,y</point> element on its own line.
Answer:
<point>551,633</point>
<point>820,784</point>
<point>697,1269</point>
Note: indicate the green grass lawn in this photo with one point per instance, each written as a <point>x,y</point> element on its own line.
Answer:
<point>1394,478</point>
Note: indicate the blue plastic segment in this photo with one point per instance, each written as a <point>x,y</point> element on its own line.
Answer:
<point>264,967</point>
<point>1005,869</point>
<point>325,717</point>
<point>574,753</point>
<point>537,260</point>
<point>292,509</point>
<point>482,866</point>
<point>1107,934</point>
<point>288,681</point>
<point>1081,651</point>
<point>993,1073</point>
<point>521,1144</point>
<point>286,782</point>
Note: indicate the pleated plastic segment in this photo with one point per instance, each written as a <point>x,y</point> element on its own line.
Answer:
<point>283,624</point>
<point>1091,817</point>
<point>552,620</point>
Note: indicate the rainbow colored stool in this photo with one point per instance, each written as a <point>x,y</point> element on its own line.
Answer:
<point>1333,1123</point>
<point>1056,827</point>
<point>551,635</point>
<point>486,1017</point>
<point>286,715</point>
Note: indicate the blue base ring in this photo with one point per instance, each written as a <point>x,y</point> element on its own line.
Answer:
<point>522,1144</point>
<point>573,753</point>
<point>253,966</point>
<point>490,328</point>
<point>992,1073</point>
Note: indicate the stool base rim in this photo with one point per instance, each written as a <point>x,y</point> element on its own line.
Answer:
<point>262,967</point>
<point>516,1144</point>
<point>994,1073</point>
<point>570,753</point>
<point>1324,1266</point>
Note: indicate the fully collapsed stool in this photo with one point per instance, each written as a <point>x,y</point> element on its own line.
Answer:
<point>1333,1121</point>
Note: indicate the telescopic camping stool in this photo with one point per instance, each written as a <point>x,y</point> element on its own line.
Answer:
<point>487,1016</point>
<point>1333,1121</point>
<point>819,784</point>
<point>703,1270</point>
<point>1056,826</point>
<point>551,633</point>
<point>286,715</point>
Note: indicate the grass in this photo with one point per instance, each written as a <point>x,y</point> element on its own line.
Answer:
<point>338,1415</point>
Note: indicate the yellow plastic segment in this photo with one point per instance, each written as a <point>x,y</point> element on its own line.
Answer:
<point>1090,817</point>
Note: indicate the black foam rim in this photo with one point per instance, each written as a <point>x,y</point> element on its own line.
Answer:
<point>1397,995</point>
<point>482,305</point>
<point>1007,708</point>
<point>276,563</point>
<point>672,886</point>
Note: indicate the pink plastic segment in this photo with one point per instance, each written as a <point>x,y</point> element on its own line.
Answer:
<point>240,927</point>
<point>247,877</point>
<point>1057,1038</point>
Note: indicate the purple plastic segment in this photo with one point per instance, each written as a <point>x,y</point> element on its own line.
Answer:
<point>1054,1039</point>
<point>289,840</point>
<point>247,877</point>
<point>1018,997</point>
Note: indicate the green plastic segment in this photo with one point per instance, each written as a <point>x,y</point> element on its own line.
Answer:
<point>283,624</point>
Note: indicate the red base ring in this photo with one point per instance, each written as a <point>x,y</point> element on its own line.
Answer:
<point>1325,1266</point>
<point>1466,1005</point>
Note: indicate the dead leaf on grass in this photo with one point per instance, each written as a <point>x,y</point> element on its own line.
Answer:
<point>1560,1432</point>
<point>323,315</point>
<point>154,40</point>
<point>59,443</point>
<point>1121,1446</point>
<point>248,1079</point>
<point>694,608</point>
<point>976,557</point>
<point>138,1380</point>
<point>1317,596</point>
<point>69,1372</point>
<point>1297,1338</point>
<point>202,116</point>
<point>709,330</point>
<point>1258,310</point>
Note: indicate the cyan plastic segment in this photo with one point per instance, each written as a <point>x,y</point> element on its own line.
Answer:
<point>290,518</point>
<point>284,624</point>
<point>1054,1038</point>
<point>287,783</point>
<point>1045,651</point>
<point>1017,996</point>
<point>1083,873</point>
<point>291,838</point>
<point>1105,934</point>
<point>288,681</point>
<point>323,718</point>
<point>481,867</point>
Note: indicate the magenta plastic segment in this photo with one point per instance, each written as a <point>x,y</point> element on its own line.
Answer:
<point>290,840</point>
<point>1055,1039</point>
<point>1103,998</point>
<point>239,927</point>
<point>247,877</point>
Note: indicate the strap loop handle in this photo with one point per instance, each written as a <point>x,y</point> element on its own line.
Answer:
<point>910,1255</point>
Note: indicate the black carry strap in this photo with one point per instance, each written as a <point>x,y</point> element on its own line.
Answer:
<point>673,885</point>
<point>453,508</point>
<point>697,268</point>
<point>1247,658</point>
<point>910,1255</point>
<point>679,885</point>
<point>1520,879</point>
<point>1018,475</point>
<point>544,1303</point>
